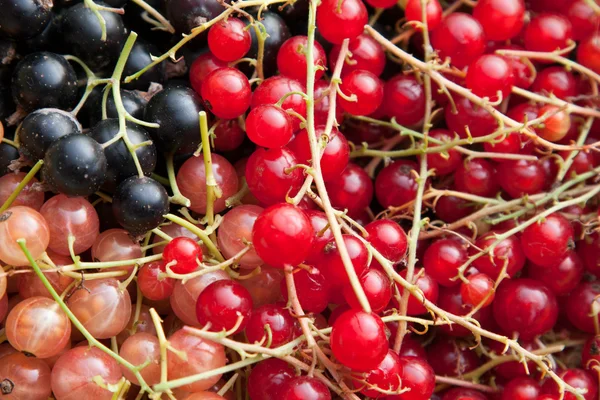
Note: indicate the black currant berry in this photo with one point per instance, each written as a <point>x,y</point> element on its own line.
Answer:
<point>44,80</point>
<point>188,14</point>
<point>133,102</point>
<point>139,58</point>
<point>46,40</point>
<point>43,127</point>
<point>175,109</point>
<point>75,165</point>
<point>80,31</point>
<point>120,161</point>
<point>139,204</point>
<point>22,19</point>
<point>8,154</point>
<point>278,33</point>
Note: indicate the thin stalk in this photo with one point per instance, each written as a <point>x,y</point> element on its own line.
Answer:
<point>198,232</point>
<point>212,190</point>
<point>21,185</point>
<point>177,197</point>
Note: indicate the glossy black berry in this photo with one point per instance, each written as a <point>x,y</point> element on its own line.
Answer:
<point>8,154</point>
<point>278,33</point>
<point>22,19</point>
<point>187,14</point>
<point>139,58</point>
<point>81,33</point>
<point>75,165</point>
<point>133,102</point>
<point>120,161</point>
<point>44,80</point>
<point>175,109</point>
<point>139,204</point>
<point>43,127</point>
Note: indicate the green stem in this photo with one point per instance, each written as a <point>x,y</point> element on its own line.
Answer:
<point>211,184</point>
<point>564,167</point>
<point>21,185</point>
<point>177,197</point>
<point>198,232</point>
<point>91,339</point>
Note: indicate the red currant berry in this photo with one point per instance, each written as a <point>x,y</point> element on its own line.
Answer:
<point>479,290</point>
<point>583,18</point>
<point>366,87</point>
<point>561,278</point>
<point>226,93</point>
<point>427,285</point>
<point>358,340</point>
<point>451,208</point>
<point>282,235</point>
<point>433,10</point>
<point>305,388</point>
<point>270,176</point>
<point>444,162</point>
<point>396,184</point>
<point>267,378</point>
<point>418,376</point>
<point>449,358</point>
<point>404,99</point>
<point>588,53</point>
<point>229,40</point>
<point>521,177</point>
<point>377,287</point>
<point>322,234</point>
<point>526,307</point>
<point>523,72</point>
<point>521,388</point>
<point>463,394</point>
<point>334,158</point>
<point>442,260</point>
<point>576,378</point>
<point>582,306</point>
<point>508,255</point>
<point>312,288</point>
<point>353,190</point>
<point>339,20</point>
<point>279,321</point>
<point>222,304</point>
<point>477,177</point>
<point>269,126</point>
<point>273,89</point>
<point>590,354</point>
<point>546,242</point>
<point>330,262</point>
<point>459,37</point>
<point>556,81</point>
<point>501,19</point>
<point>451,301</point>
<point>386,376</point>
<point>202,67</point>
<point>183,255</point>
<point>548,32</point>
<point>228,135</point>
<point>153,286</point>
<point>490,74</point>
<point>479,121</point>
<point>367,54</point>
<point>291,58</point>
<point>388,238</point>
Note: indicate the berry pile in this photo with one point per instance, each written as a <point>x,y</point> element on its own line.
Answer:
<point>300,200</point>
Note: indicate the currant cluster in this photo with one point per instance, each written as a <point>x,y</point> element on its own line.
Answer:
<point>299,200</point>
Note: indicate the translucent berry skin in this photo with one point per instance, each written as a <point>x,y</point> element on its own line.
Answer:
<point>267,178</point>
<point>312,289</point>
<point>433,10</point>
<point>29,196</point>
<point>291,58</point>
<point>184,253</point>
<point>305,388</point>
<point>526,307</point>
<point>446,162</point>
<point>337,21</point>
<point>377,288</point>
<point>448,357</point>
<point>488,75</point>
<point>22,222</point>
<point>358,340</point>
<point>463,394</point>
<point>236,227</point>
<point>228,40</point>
<point>555,80</point>
<point>577,378</point>
<point>386,376</point>
<point>353,190</point>
<point>367,54</point>
<point>521,388</point>
<point>427,285</point>
<point>201,67</point>
<point>581,303</point>
<point>588,53</point>
<point>226,93</point>
<point>508,251</point>
<point>269,126</point>
<point>366,87</point>
<point>561,278</point>
<point>334,158</point>
<point>500,19</point>
<point>548,32</point>
<point>450,299</point>
<point>479,121</point>
<point>396,184</point>
<point>221,302</point>
<point>476,176</point>
<point>442,260</point>
<point>521,177</point>
<point>387,237</point>
<point>274,88</point>
<point>228,135</point>
<point>279,320</point>
<point>319,222</point>
<point>418,376</point>
<point>460,37</point>
<point>330,263</point>
<point>557,123</point>
<point>151,285</point>
<point>478,290</point>
<point>546,242</point>
<point>583,19</point>
<point>404,99</point>
<point>282,235</point>
<point>267,378</point>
